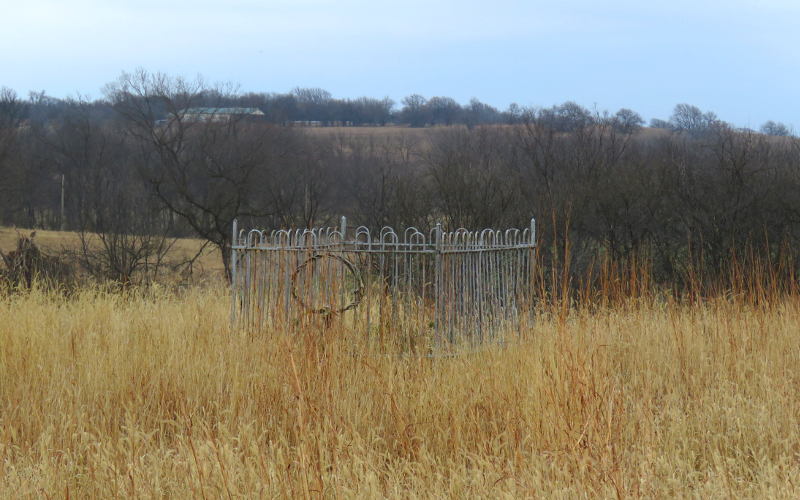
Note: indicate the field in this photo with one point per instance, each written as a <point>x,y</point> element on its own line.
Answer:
<point>152,394</point>
<point>378,132</point>
<point>55,242</point>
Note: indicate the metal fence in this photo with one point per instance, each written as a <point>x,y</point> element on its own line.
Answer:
<point>443,287</point>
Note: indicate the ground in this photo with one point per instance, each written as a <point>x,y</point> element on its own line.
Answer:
<point>53,242</point>
<point>150,393</point>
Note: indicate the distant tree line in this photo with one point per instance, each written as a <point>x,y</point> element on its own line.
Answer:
<point>686,193</point>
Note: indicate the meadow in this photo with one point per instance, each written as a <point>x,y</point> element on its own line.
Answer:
<point>62,243</point>
<point>152,394</point>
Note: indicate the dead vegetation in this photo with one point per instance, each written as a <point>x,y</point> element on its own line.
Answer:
<point>28,263</point>
<point>145,393</point>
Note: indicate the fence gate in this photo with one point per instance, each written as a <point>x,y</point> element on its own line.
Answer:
<point>442,287</point>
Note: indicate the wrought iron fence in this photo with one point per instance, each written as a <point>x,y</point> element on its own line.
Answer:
<point>424,289</point>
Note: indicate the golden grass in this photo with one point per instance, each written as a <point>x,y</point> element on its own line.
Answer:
<point>388,131</point>
<point>47,240</point>
<point>58,241</point>
<point>153,395</point>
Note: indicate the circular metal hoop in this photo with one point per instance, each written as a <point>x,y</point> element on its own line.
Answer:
<point>358,291</point>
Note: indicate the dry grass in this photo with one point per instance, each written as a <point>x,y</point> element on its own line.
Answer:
<point>152,395</point>
<point>47,240</point>
<point>388,131</point>
<point>58,241</point>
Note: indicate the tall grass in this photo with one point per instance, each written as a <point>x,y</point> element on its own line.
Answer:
<point>153,395</point>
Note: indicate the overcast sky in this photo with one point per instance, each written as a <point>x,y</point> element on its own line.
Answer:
<point>737,58</point>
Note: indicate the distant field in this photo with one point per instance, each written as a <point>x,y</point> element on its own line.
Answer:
<point>422,134</point>
<point>388,131</point>
<point>57,241</point>
<point>47,240</point>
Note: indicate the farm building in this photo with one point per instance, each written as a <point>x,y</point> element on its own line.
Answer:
<point>219,114</point>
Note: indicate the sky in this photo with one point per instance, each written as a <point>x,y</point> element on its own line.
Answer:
<point>737,58</point>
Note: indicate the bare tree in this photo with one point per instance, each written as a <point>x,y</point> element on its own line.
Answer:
<point>415,111</point>
<point>659,123</point>
<point>470,176</point>
<point>381,180</point>
<point>313,103</point>
<point>443,110</point>
<point>627,121</point>
<point>688,118</point>
<point>775,128</point>
<point>567,117</point>
<point>478,113</point>
<point>12,114</point>
<point>206,172</point>
<point>123,231</point>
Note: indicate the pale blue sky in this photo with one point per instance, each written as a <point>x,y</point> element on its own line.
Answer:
<point>740,59</point>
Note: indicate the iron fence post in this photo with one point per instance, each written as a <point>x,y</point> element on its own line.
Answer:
<point>529,292</point>
<point>342,247</point>
<point>234,285</point>
<point>437,290</point>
